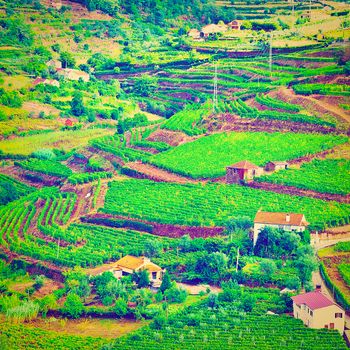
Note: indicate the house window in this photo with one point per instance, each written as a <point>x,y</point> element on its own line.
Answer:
<point>154,275</point>
<point>311,313</point>
<point>338,315</point>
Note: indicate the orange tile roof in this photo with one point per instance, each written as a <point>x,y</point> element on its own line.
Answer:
<point>152,267</point>
<point>244,164</point>
<point>280,218</point>
<point>130,262</point>
<point>133,263</point>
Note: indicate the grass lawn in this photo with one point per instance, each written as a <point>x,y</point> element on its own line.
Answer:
<point>65,140</point>
<point>208,156</point>
<point>15,82</point>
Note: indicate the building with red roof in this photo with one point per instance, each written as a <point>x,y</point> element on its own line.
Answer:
<point>283,221</point>
<point>242,171</point>
<point>318,311</point>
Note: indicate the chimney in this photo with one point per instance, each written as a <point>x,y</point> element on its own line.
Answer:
<point>288,218</point>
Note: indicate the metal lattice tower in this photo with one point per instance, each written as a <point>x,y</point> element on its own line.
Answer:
<point>270,56</point>
<point>215,93</point>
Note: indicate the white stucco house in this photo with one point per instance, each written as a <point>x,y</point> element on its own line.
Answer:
<point>284,221</point>
<point>318,311</point>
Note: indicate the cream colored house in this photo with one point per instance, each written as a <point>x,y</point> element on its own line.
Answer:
<point>212,29</point>
<point>54,64</point>
<point>194,34</point>
<point>130,264</point>
<point>73,74</point>
<point>317,311</point>
<point>284,221</point>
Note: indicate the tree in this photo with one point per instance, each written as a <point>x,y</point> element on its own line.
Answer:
<point>212,266</point>
<point>248,302</point>
<point>8,192</point>
<point>145,85</point>
<point>141,278</point>
<point>166,283</point>
<point>305,266</point>
<point>267,268</point>
<point>120,307</point>
<point>77,105</point>
<point>67,60</point>
<point>153,248</point>
<point>73,306</point>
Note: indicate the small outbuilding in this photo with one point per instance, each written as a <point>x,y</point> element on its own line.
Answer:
<point>283,221</point>
<point>68,122</point>
<point>130,264</point>
<point>194,34</point>
<point>43,81</point>
<point>318,311</point>
<point>56,64</point>
<point>212,29</point>
<point>276,165</point>
<point>242,171</point>
<point>234,25</point>
<point>73,74</point>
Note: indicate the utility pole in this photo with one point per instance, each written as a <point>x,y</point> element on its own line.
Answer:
<point>270,56</point>
<point>237,258</point>
<point>215,95</point>
<point>58,248</point>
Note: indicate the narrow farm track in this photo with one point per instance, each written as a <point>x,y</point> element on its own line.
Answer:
<point>310,101</point>
<point>294,191</point>
<point>166,230</point>
<point>151,172</point>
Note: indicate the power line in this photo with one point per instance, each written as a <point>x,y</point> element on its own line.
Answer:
<point>215,93</point>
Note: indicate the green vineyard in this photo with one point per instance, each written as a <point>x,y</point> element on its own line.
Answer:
<point>208,157</point>
<point>212,204</point>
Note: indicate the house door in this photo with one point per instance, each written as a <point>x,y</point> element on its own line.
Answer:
<point>331,326</point>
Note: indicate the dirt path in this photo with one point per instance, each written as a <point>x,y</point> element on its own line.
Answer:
<point>317,105</point>
<point>295,191</point>
<point>156,174</point>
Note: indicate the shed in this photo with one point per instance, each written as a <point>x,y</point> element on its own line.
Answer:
<point>194,34</point>
<point>54,64</point>
<point>235,25</point>
<point>68,122</point>
<point>276,165</point>
<point>242,171</point>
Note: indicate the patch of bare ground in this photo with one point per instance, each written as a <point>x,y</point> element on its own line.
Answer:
<point>294,191</point>
<point>19,174</point>
<point>231,122</point>
<point>48,288</point>
<point>83,204</point>
<point>148,171</point>
<point>36,108</point>
<point>109,156</point>
<point>312,104</point>
<point>89,327</point>
<point>172,138</point>
<point>100,202</point>
<point>35,266</point>
<point>167,230</point>
<point>331,263</point>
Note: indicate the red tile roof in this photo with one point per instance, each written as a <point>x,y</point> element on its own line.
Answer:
<point>244,164</point>
<point>263,217</point>
<point>314,300</point>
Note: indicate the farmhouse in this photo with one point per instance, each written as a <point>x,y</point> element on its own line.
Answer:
<point>194,34</point>
<point>276,165</point>
<point>51,82</point>
<point>317,311</point>
<point>235,25</point>
<point>212,29</point>
<point>130,264</point>
<point>54,64</point>
<point>283,221</point>
<point>242,171</point>
<point>73,74</point>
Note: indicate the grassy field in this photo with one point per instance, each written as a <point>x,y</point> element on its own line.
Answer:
<point>326,176</point>
<point>65,140</point>
<point>211,204</point>
<point>208,157</point>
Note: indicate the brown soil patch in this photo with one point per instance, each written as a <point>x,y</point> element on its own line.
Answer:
<point>167,230</point>
<point>172,138</point>
<point>48,288</point>
<point>36,108</point>
<point>294,191</point>
<point>93,327</point>
<point>147,171</point>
